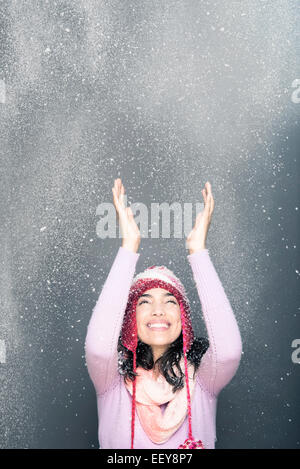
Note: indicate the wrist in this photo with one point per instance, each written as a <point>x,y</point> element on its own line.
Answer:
<point>197,249</point>
<point>131,246</point>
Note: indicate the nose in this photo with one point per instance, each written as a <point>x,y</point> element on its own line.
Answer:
<point>158,311</point>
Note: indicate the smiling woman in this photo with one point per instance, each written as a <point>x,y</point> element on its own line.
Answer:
<point>141,351</point>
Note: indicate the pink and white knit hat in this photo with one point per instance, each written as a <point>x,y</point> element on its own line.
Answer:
<point>159,277</point>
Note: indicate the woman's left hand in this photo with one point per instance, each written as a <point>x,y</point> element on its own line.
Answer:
<point>197,238</point>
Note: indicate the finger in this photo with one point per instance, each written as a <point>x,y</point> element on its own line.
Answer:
<point>123,196</point>
<point>211,199</point>
<point>198,219</point>
<point>119,191</point>
<point>212,205</point>
<point>116,201</point>
<point>207,204</point>
<point>129,212</point>
<point>116,188</point>
<point>208,187</point>
<point>119,187</point>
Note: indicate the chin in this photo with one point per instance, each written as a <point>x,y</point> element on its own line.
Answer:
<point>161,341</point>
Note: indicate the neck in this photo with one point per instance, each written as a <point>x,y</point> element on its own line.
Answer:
<point>158,351</point>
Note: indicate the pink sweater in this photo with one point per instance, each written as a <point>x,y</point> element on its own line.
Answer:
<point>217,368</point>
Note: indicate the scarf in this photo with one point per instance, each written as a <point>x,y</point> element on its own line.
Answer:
<point>151,393</point>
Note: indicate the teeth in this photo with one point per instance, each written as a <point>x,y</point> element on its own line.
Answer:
<point>158,325</point>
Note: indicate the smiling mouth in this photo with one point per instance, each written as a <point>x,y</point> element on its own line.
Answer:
<point>158,326</point>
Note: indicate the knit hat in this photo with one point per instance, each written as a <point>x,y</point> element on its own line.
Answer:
<point>159,277</point>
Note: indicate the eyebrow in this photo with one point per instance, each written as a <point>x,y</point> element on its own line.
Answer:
<point>165,294</point>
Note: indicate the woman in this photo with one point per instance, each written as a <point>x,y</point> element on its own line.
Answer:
<point>151,374</point>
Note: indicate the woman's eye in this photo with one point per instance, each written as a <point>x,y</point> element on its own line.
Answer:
<point>170,301</point>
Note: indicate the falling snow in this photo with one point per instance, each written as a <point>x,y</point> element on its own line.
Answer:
<point>166,96</point>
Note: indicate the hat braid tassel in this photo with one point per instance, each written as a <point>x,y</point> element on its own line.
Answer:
<point>133,401</point>
<point>186,374</point>
<point>190,442</point>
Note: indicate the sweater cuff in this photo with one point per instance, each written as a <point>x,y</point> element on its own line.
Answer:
<point>199,259</point>
<point>127,254</point>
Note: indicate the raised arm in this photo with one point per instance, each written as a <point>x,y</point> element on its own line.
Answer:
<point>106,321</point>
<point>105,324</point>
<point>221,360</point>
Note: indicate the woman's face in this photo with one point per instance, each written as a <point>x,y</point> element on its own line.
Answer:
<point>158,318</point>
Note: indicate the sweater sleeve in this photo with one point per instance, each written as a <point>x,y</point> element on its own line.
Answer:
<point>221,360</point>
<point>106,321</point>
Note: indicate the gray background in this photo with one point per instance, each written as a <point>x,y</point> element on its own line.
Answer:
<point>166,95</point>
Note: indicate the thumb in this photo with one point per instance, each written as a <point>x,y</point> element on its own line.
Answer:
<point>129,212</point>
<point>198,218</point>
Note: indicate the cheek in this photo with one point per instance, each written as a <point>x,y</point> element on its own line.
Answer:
<point>140,319</point>
<point>178,316</point>
<point>140,325</point>
<point>179,324</point>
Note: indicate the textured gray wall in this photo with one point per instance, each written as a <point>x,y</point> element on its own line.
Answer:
<point>166,95</point>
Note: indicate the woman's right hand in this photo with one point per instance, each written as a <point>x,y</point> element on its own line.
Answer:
<point>129,229</point>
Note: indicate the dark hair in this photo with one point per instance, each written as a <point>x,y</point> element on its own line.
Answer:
<point>171,357</point>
